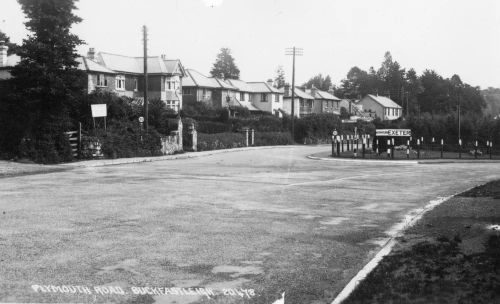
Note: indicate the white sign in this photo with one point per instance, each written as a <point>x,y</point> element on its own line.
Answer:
<point>393,132</point>
<point>141,119</point>
<point>99,110</point>
<point>335,133</point>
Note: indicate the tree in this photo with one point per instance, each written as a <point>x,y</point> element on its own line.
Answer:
<point>319,82</point>
<point>224,66</point>
<point>46,84</point>
<point>279,80</point>
<point>12,46</point>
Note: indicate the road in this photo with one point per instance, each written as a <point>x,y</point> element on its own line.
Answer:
<point>269,220</point>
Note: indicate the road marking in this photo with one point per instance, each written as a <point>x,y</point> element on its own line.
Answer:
<point>345,178</point>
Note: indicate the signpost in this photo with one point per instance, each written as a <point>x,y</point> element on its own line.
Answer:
<point>99,110</point>
<point>393,132</point>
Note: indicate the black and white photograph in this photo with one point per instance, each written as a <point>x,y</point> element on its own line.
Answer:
<point>249,152</point>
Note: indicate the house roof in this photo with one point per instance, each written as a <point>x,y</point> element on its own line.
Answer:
<point>240,85</point>
<point>325,95</point>
<point>301,94</point>
<point>86,64</point>
<point>384,101</point>
<point>135,65</point>
<point>262,87</point>
<point>196,79</point>
<point>225,84</point>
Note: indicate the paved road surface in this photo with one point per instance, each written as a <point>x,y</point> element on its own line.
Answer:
<point>269,220</point>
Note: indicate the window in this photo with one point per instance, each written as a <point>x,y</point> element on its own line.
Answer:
<point>186,91</point>
<point>172,104</point>
<point>263,97</point>
<point>101,80</point>
<point>120,82</point>
<point>136,84</point>
<point>277,98</point>
<point>242,96</point>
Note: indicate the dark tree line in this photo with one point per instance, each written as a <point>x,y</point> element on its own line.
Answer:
<point>428,93</point>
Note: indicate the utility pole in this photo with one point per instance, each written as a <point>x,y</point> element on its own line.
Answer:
<point>458,109</point>
<point>145,37</point>
<point>294,51</point>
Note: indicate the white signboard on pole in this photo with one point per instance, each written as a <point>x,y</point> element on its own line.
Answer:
<point>393,132</point>
<point>99,110</point>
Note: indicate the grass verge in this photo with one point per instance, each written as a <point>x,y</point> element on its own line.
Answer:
<point>451,256</point>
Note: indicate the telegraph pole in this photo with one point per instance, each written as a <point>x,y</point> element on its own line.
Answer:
<point>294,51</point>
<point>145,37</point>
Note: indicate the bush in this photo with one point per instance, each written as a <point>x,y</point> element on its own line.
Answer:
<point>123,139</point>
<point>220,141</point>
<point>212,127</point>
<point>273,138</point>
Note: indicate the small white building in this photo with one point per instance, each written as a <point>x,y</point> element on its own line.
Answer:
<point>383,107</point>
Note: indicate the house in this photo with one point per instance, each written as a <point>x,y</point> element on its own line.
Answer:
<point>255,96</point>
<point>383,107</point>
<point>303,103</point>
<point>123,75</point>
<point>266,97</point>
<point>164,77</point>
<point>200,88</point>
<point>324,102</point>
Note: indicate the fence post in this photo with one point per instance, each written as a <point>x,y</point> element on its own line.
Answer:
<point>338,146</point>
<point>377,150</point>
<point>355,148</point>
<point>418,148</point>
<point>407,149</point>
<point>253,137</point>
<point>246,137</point>
<point>459,148</point>
<point>442,146</point>
<point>194,138</point>
<point>342,142</point>
<point>475,150</point>
<point>364,146</point>
<point>333,145</point>
<point>491,147</point>
<point>79,153</point>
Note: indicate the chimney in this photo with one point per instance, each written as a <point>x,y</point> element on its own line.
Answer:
<point>3,53</point>
<point>91,54</point>
<point>313,90</point>
<point>163,57</point>
<point>270,82</point>
<point>286,90</point>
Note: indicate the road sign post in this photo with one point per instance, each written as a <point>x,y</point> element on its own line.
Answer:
<point>442,147</point>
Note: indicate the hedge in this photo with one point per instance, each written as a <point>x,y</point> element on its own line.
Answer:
<point>220,141</point>
<point>273,138</point>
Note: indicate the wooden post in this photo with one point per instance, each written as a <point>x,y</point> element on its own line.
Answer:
<point>442,146</point>
<point>418,148</point>
<point>460,148</point>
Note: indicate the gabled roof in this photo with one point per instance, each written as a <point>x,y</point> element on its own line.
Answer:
<point>89,65</point>
<point>194,78</point>
<point>301,94</point>
<point>384,101</point>
<point>325,95</point>
<point>262,87</point>
<point>240,85</point>
<point>135,65</point>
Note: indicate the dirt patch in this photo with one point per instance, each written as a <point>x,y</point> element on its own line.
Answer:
<point>487,190</point>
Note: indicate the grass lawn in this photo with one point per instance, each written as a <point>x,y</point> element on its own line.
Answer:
<point>451,256</point>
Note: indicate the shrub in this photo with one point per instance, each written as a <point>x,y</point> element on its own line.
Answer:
<point>273,138</point>
<point>212,127</point>
<point>123,139</point>
<point>220,141</point>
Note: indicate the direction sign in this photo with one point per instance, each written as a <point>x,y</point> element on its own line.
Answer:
<point>393,132</point>
<point>141,119</point>
<point>335,133</point>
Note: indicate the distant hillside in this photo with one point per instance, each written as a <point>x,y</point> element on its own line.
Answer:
<point>492,98</point>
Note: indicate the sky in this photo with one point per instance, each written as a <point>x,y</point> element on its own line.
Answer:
<point>451,37</point>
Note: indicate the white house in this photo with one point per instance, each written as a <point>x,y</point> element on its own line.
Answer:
<point>383,107</point>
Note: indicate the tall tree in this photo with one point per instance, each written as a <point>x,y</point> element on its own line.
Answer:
<point>224,66</point>
<point>46,82</point>
<point>279,80</point>
<point>320,82</point>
